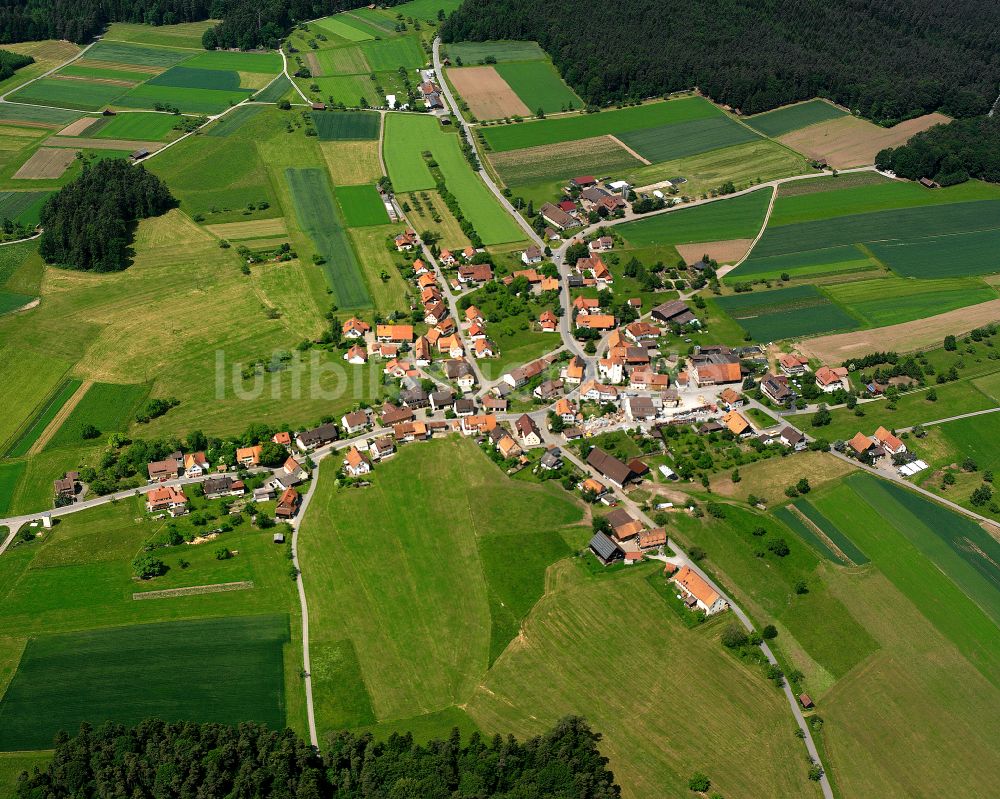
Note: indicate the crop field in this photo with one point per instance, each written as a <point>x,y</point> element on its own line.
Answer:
<point>48,54</point>
<point>106,73</point>
<point>192,100</point>
<point>585,126</point>
<point>69,94</point>
<point>539,86</point>
<point>426,9</point>
<point>339,26</point>
<point>42,418</point>
<point>785,313</point>
<point>599,155</point>
<point>234,120</point>
<point>127,674</point>
<point>145,127</point>
<point>56,117</point>
<point>814,263</point>
<point>792,117</point>
<point>486,93</point>
<point>737,218</point>
<point>901,225</point>
<point>683,139</point>
<point>107,406</point>
<point>46,163</point>
<point>943,256</point>
<point>831,531</point>
<point>224,60</point>
<point>185,34</point>
<point>407,137</point>
<point>346,89</point>
<point>361,206</point>
<point>22,206</point>
<point>185,77</point>
<point>123,53</point>
<point>352,162</point>
<point>794,522</point>
<point>388,55</point>
<point>474,52</point>
<point>850,141</point>
<point>892,300</point>
<point>348,60</point>
<point>10,475</point>
<point>274,90</point>
<point>39,378</point>
<point>943,562</point>
<point>321,221</point>
<point>378,19</point>
<point>346,126</point>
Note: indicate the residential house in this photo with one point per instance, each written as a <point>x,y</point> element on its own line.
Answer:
<point>284,438</point>
<point>711,366</point>
<point>644,380</point>
<point>532,255</point>
<point>65,487</point>
<point>263,494</point>
<point>478,425</point>
<point>528,430</point>
<point>452,345</point>
<point>169,498</point>
<point>495,404</point>
<point>548,389</point>
<point>475,273</point>
<point>354,422</point>
<point>414,398</point>
<point>551,460</point>
<point>223,486</point>
<point>461,373</point>
<point>392,415</point>
<point>398,334</point>
<point>356,464</point>
<point>484,348</point>
<point>586,305</point>
<point>195,464</point>
<point>420,267</point>
<point>598,392</point>
<point>565,409</point>
<point>356,355</point>
<point>737,423</point>
<point>508,447</point>
<point>317,437</point>
<point>611,369</point>
<point>623,526</point>
<point>594,321</point>
<point>473,315</point>
<point>697,592</point>
<point>572,373</point>
<point>248,457</point>
<point>163,470</point>
<point>406,241</point>
<point>464,407</point>
<point>422,351</point>
<point>890,443</point>
<point>469,253</point>
<point>865,447</point>
<point>436,313</point>
<point>516,378</point>
<point>382,447</point>
<point>288,504</point>
<point>354,328</point>
<point>410,431</point>
<point>775,387</point>
<point>640,409</point>
<point>792,438</point>
<point>730,399</point>
<point>793,364</point>
<point>592,486</point>
<point>642,332</point>
<point>650,539</point>
<point>829,380</point>
<point>602,244</point>
<point>446,258</point>
<point>549,322</point>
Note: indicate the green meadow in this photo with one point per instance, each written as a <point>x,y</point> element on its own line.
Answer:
<point>138,126</point>
<point>785,120</point>
<point>109,407</point>
<point>786,313</point>
<point>361,206</point>
<point>346,126</point>
<point>684,139</point>
<point>539,85</point>
<point>737,218</point>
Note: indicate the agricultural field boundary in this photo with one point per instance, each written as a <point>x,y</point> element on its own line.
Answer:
<point>193,590</point>
<point>60,394</point>
<point>60,417</point>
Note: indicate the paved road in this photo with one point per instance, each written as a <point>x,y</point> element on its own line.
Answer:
<point>951,419</point>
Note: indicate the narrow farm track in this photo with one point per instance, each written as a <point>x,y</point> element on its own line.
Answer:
<point>60,417</point>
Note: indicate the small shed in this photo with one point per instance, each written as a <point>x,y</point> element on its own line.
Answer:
<point>279,538</point>
<point>319,106</point>
<point>138,155</point>
<point>806,701</point>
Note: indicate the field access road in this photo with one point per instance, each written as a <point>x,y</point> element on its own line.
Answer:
<point>680,559</point>
<point>467,132</point>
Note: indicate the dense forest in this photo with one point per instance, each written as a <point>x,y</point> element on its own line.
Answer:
<point>949,154</point>
<point>887,59</point>
<point>88,224</point>
<point>157,760</point>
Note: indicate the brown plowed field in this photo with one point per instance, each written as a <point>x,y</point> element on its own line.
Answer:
<point>488,95</point>
<point>725,252</point>
<point>46,163</point>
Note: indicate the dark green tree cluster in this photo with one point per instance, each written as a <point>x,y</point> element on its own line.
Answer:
<point>949,154</point>
<point>165,760</point>
<point>88,224</point>
<point>887,59</point>
<point>11,62</point>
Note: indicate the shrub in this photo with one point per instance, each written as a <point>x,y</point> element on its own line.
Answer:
<point>734,636</point>
<point>146,567</point>
<point>778,546</point>
<point>770,632</point>
<point>699,782</point>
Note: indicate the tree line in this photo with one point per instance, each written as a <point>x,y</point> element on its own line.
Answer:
<point>89,223</point>
<point>887,59</point>
<point>160,760</point>
<point>949,154</point>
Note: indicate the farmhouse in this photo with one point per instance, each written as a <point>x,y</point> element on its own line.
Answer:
<point>864,447</point>
<point>623,526</point>
<point>583,182</point>
<point>793,364</point>
<point>642,380</point>
<point>890,443</point>
<point>610,467</point>
<point>223,486</point>
<point>640,409</point>
<point>169,498</point>
<point>674,312</point>
<point>556,216</point>
<point>649,539</point>
<point>65,487</point>
<point>642,332</point>
<point>163,470</point>
<point>594,321</point>
<point>606,550</point>
<point>697,592</point>
<point>288,504</point>
<point>475,273</point>
<point>730,399</point>
<point>406,240</point>
<point>711,366</point>
<point>317,437</point>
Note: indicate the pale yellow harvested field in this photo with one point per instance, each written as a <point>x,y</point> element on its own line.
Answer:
<point>488,95</point>
<point>254,80</point>
<point>106,81</point>
<point>97,64</point>
<point>253,228</point>
<point>314,66</point>
<point>850,141</point>
<point>78,127</point>
<point>45,164</point>
<point>351,162</point>
<point>905,337</point>
<point>105,144</point>
<point>725,252</point>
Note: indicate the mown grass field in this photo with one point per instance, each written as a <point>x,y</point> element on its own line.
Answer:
<point>785,120</point>
<point>948,255</point>
<point>474,52</point>
<point>584,126</point>
<point>38,377</point>
<point>388,295</point>
<point>560,162</point>
<point>120,674</point>
<point>539,85</point>
<point>109,407</point>
<point>815,263</point>
<point>10,476</point>
<point>341,26</point>
<point>321,221</point>
<point>56,117</point>
<point>361,206</point>
<point>356,125</point>
<point>42,417</point>
<point>785,313</point>
<point>233,121</point>
<point>22,206</point>
<point>125,53</point>
<point>185,34</point>
<point>385,55</point>
<point>69,94</point>
<point>684,139</point>
<point>890,300</point>
<point>737,218</point>
<point>139,126</point>
<point>406,137</point>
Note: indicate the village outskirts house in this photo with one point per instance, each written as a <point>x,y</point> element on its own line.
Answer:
<point>356,464</point>
<point>528,431</point>
<point>697,593</point>
<point>168,498</point>
<point>317,437</point>
<point>829,380</point>
<point>223,486</point>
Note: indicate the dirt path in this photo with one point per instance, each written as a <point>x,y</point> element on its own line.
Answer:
<point>60,417</point>
<point>629,150</point>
